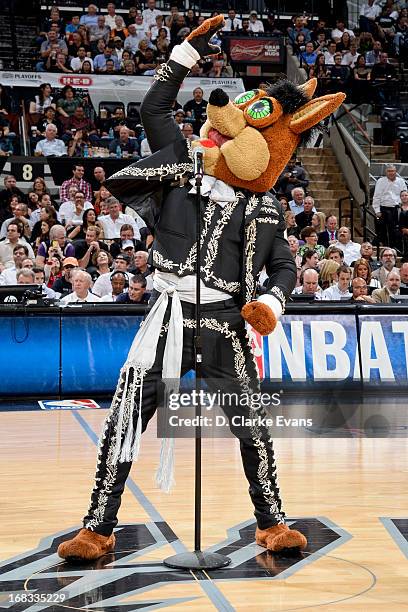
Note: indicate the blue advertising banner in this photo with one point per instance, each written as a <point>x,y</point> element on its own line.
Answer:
<point>29,354</point>
<point>93,349</point>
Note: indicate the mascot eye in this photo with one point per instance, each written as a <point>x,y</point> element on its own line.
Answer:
<point>246,97</point>
<point>260,109</point>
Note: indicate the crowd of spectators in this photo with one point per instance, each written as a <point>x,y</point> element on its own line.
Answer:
<point>362,62</point>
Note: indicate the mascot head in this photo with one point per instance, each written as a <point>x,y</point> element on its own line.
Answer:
<point>248,142</point>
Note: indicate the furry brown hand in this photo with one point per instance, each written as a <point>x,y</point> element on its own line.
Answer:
<point>260,316</point>
<point>200,37</point>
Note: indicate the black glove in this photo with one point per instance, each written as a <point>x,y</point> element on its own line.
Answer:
<point>200,37</point>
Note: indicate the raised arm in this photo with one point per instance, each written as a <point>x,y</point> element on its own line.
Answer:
<point>156,109</point>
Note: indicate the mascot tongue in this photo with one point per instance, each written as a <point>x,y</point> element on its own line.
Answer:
<point>215,136</point>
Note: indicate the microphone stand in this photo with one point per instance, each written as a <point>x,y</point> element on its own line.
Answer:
<point>197,559</point>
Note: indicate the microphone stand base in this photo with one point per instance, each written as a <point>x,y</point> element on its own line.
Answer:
<point>197,560</point>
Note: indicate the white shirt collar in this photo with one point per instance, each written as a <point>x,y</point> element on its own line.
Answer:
<point>216,190</point>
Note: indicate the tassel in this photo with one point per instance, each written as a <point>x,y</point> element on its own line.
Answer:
<point>165,472</point>
<point>119,431</point>
<point>138,436</point>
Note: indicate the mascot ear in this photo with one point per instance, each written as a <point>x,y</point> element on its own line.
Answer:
<point>313,112</point>
<point>309,87</point>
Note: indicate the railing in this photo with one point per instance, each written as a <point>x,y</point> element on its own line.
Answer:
<point>350,216</point>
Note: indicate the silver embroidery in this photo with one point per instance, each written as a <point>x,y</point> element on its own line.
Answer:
<point>163,171</point>
<point>280,295</point>
<point>249,254</point>
<point>163,72</point>
<point>252,204</point>
<point>267,220</point>
<point>207,218</point>
<point>159,260</point>
<point>190,261</point>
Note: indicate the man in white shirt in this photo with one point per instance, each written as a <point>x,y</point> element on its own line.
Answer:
<point>150,13</point>
<point>76,62</point>
<point>103,284</point>
<point>255,24</point>
<point>350,249</point>
<point>158,26</point>
<point>51,145</point>
<point>135,36</point>
<point>297,204</point>
<point>386,201</point>
<point>339,30</point>
<point>113,222</point>
<point>7,245</point>
<point>110,17</point>
<point>20,255</point>
<point>339,290</point>
<point>369,12</point>
<point>67,208</point>
<point>81,283</point>
<point>330,53</point>
<point>232,23</point>
<point>310,284</point>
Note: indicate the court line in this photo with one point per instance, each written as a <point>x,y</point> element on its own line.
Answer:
<point>219,600</point>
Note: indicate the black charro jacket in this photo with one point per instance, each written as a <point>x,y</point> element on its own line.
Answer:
<point>237,240</point>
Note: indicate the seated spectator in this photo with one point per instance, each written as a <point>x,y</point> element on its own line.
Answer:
<point>42,100</point>
<point>155,29</point>
<point>309,55</point>
<point>330,53</point>
<point>369,11</point>
<point>339,75</point>
<point>318,221</point>
<point>76,40</point>
<point>309,235</point>
<point>100,31</point>
<point>373,57</point>
<point>296,205</point>
<point>78,61</point>
<point>54,19</point>
<point>49,49</point>
<point>145,150</point>
<point>334,254</point>
<point>77,180</point>
<point>304,218</point>
<point>339,30</point>
<point>292,176</point>
<point>391,289</point>
<point>366,252</point>
<point>46,214</point>
<point>119,30</point>
<point>255,24</point>
<point>381,73</point>
<point>50,145</point>
<point>72,26</point>
<point>40,279</point>
<point>20,254</point>
<point>15,233</point>
<point>328,273</point>
<point>44,234</point>
<point>21,215</point>
<point>309,284</point>
<point>310,259</point>
<point>340,290</point>
<point>63,284</point>
<point>270,26</point>
<point>150,13</point>
<point>360,292</point>
<point>90,18</point>
<point>56,245</point>
<point>196,109</point>
<point>74,220</point>
<point>111,16</point>
<point>25,276</point>
<point>48,118</point>
<point>53,270</point>
<point>361,85</point>
<point>141,267</point>
<point>79,145</point>
<point>102,284</point>
<point>124,144</point>
<point>101,60</point>
<point>350,249</point>
<point>91,245</point>
<point>133,39</point>
<point>131,16</point>
<point>118,49</point>
<point>321,72</point>
<point>98,179</point>
<point>112,222</point>
<point>402,228</point>
<point>81,284</point>
<point>344,44</point>
<point>79,121</point>
<point>299,27</point>
<point>116,121</point>
<point>187,131</point>
<point>291,227</point>
<point>329,235</point>
<point>101,262</point>
<point>362,270</point>
<point>404,275</point>
<point>58,64</point>
<point>126,238</point>
<point>350,57</point>
<point>119,283</point>
<point>232,23</point>
<point>147,63</point>
<point>6,145</point>
<point>67,208</point>
<point>388,259</point>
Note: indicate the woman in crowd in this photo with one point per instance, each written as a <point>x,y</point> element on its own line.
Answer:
<point>131,16</point>
<point>75,41</point>
<point>309,235</point>
<point>362,74</point>
<point>284,202</point>
<point>89,219</point>
<point>39,186</point>
<point>120,29</point>
<point>126,56</point>
<point>344,45</point>
<point>53,269</point>
<point>162,43</point>
<point>294,247</point>
<point>78,145</point>
<point>310,259</point>
<point>101,196</point>
<point>32,201</point>
<point>362,270</point>
<point>191,19</point>
<point>101,260</point>
<point>68,102</point>
<point>129,68</point>
<point>48,214</point>
<point>291,227</point>
<point>318,221</point>
<point>42,99</point>
<point>44,234</point>
<point>322,74</point>
<point>87,67</point>
<point>83,32</point>
<point>328,273</point>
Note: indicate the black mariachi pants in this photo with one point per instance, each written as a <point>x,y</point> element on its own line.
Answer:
<point>226,356</point>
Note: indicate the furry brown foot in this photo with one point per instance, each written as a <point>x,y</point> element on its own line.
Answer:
<point>279,537</point>
<point>86,545</point>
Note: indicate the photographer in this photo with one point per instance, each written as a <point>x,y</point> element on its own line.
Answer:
<point>292,176</point>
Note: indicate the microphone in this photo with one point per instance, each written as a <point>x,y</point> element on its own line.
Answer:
<point>198,155</point>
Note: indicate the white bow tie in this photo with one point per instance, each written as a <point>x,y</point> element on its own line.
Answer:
<point>216,190</point>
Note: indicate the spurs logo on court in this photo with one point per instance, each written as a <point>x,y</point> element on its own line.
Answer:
<point>133,577</point>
